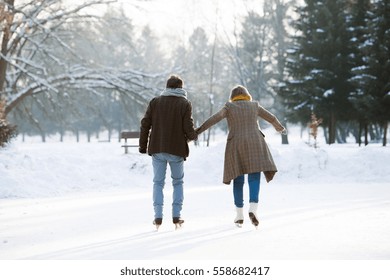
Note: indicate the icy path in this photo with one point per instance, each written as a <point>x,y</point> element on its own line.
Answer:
<point>335,221</point>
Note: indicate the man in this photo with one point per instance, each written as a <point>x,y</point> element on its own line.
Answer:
<point>168,126</point>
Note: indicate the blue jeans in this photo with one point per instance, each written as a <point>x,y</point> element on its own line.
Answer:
<point>160,162</point>
<point>254,189</point>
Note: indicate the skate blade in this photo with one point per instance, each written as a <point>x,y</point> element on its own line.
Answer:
<point>254,221</point>
<point>178,226</point>
<point>239,223</point>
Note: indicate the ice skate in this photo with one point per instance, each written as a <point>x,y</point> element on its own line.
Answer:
<point>177,221</point>
<point>157,222</point>
<point>239,220</point>
<point>253,214</point>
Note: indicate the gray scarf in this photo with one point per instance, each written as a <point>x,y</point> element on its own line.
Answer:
<point>178,92</point>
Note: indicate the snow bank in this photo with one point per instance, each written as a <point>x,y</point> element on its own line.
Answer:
<point>34,169</point>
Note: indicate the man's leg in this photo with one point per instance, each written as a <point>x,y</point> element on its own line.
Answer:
<point>177,173</point>
<point>159,170</point>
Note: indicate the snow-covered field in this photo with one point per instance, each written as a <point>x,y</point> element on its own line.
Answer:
<point>91,201</point>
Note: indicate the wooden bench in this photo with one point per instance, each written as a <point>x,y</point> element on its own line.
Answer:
<point>129,135</point>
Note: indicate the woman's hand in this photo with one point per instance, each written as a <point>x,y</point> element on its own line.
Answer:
<point>284,131</point>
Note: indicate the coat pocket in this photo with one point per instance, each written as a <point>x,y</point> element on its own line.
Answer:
<point>262,133</point>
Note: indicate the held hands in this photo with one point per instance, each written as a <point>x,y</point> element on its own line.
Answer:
<point>284,131</point>
<point>281,129</point>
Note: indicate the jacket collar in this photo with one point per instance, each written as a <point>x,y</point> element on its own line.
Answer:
<point>178,92</point>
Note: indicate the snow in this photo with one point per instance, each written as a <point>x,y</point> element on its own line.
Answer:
<point>90,201</point>
<point>329,92</point>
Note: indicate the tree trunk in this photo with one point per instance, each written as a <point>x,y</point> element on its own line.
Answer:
<point>284,136</point>
<point>325,134</point>
<point>365,134</point>
<point>385,126</point>
<point>43,135</point>
<point>89,134</point>
<point>8,18</point>
<point>332,128</point>
<point>372,132</point>
<point>211,98</point>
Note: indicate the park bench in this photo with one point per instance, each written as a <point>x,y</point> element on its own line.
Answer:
<point>129,135</point>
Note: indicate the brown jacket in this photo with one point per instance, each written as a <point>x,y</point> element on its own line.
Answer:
<point>246,150</point>
<point>167,126</point>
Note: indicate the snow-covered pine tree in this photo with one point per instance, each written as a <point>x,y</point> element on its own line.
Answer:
<point>359,24</point>
<point>379,66</point>
<point>255,54</point>
<point>280,12</point>
<point>319,65</point>
<point>197,63</point>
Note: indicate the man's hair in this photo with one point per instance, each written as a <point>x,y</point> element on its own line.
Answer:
<point>174,81</point>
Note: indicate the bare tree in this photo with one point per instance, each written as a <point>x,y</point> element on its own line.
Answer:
<point>33,61</point>
<point>279,11</point>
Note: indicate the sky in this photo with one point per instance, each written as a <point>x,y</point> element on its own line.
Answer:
<point>178,18</point>
<point>175,20</point>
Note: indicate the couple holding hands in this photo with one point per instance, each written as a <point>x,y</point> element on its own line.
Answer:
<point>167,126</point>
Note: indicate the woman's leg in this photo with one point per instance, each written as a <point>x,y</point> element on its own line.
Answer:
<point>254,190</point>
<point>238,191</point>
<point>254,187</point>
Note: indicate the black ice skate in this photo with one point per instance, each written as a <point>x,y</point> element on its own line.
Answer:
<point>253,218</point>
<point>177,221</point>
<point>157,222</point>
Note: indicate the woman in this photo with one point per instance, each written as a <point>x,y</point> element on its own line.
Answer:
<point>246,150</point>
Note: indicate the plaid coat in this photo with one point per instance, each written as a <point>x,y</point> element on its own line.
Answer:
<point>246,150</point>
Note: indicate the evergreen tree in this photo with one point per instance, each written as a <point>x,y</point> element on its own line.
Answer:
<point>279,11</point>
<point>360,11</point>
<point>197,72</point>
<point>319,65</point>
<point>255,54</point>
<point>379,66</point>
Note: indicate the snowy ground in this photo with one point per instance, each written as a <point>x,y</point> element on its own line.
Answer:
<point>91,201</point>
